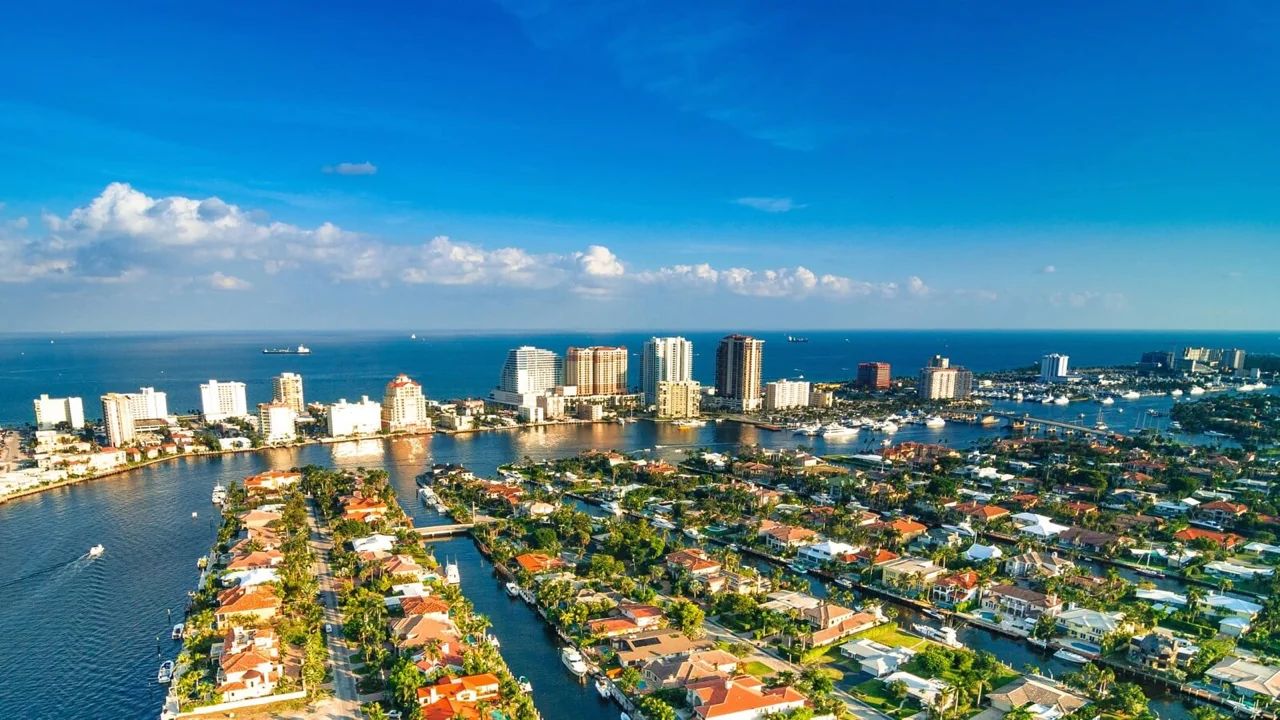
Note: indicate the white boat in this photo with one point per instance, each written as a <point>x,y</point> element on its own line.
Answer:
<point>1131,395</point>
<point>837,430</point>
<point>1108,400</point>
<point>808,430</point>
<point>1246,387</point>
<point>219,495</point>
<point>523,683</point>
<point>798,568</point>
<point>1176,392</point>
<point>96,550</point>
<point>1195,390</point>
<point>1046,400</point>
<point>946,635</point>
<point>176,633</point>
<point>613,507</point>
<point>602,687</point>
<point>1018,397</point>
<point>572,659</point>
<point>513,589</point>
<point>664,524</point>
<point>1061,400</point>
<point>689,424</point>
<point>165,673</point>
<point>1068,656</point>
<point>888,427</point>
<point>844,582</point>
<point>933,421</point>
<point>451,574</point>
<point>692,533</point>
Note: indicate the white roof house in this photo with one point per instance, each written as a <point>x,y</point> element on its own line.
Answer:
<point>374,543</point>
<point>1038,525</point>
<point>922,689</point>
<point>978,552</point>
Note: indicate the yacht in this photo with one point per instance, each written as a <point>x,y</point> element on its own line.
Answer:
<point>219,495</point>
<point>176,633</point>
<point>1195,390</point>
<point>1018,396</point>
<point>1046,400</point>
<point>1246,387</point>
<point>524,684</point>
<point>664,524</point>
<point>946,635</point>
<point>1061,400</point>
<point>797,567</point>
<point>602,687</point>
<point>1176,392</point>
<point>692,533</point>
<point>165,673</point>
<point>689,424</point>
<point>96,550</point>
<point>1108,400</point>
<point>1068,656</point>
<point>451,574</point>
<point>1131,395</point>
<point>837,430</point>
<point>572,659</point>
<point>888,427</point>
<point>933,421</point>
<point>613,507</point>
<point>512,589</point>
<point>808,430</point>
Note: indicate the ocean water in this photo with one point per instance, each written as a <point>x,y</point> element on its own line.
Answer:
<point>351,364</point>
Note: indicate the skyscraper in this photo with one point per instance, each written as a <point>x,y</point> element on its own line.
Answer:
<point>941,381</point>
<point>678,399</point>
<point>222,400</point>
<point>664,359</point>
<point>117,418</point>
<point>739,362</point>
<point>404,407</point>
<point>278,422</point>
<point>783,394</point>
<point>527,373</point>
<point>148,404</point>
<point>287,388</point>
<point>597,370</point>
<point>1053,368</point>
<point>52,411</point>
<point>874,375</point>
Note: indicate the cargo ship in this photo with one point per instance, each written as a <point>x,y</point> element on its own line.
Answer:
<point>300,350</point>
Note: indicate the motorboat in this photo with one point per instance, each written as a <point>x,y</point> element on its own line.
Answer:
<point>523,683</point>
<point>1195,390</point>
<point>96,550</point>
<point>1108,400</point>
<point>664,524</point>
<point>689,424</point>
<point>837,430</point>
<point>933,421</point>
<point>692,533</point>
<point>946,635</point>
<point>1131,395</point>
<point>1176,392</point>
<point>165,674</point>
<point>219,495</point>
<point>844,582</point>
<point>176,633</point>
<point>1061,400</point>
<point>808,430</point>
<point>1068,656</point>
<point>602,687</point>
<point>798,568</point>
<point>572,659</point>
<point>513,590</point>
<point>451,574</point>
<point>888,427</point>
<point>613,507</point>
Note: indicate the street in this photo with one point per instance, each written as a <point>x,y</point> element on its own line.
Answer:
<point>345,701</point>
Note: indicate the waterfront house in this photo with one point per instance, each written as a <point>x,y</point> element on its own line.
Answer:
<point>1088,540</point>
<point>644,616</point>
<point>740,698</point>
<point>1045,699</point>
<point>536,509</point>
<point>1245,678</point>
<point>1037,564</point>
<point>453,698</point>
<point>271,482</point>
<point>830,622</point>
<point>779,536</point>
<point>611,627</point>
<point>412,633</point>
<point>374,544</point>
<point>1017,603</point>
<point>1161,651</point>
<point>979,553</point>
<point>682,670</point>
<point>256,560</point>
<point>826,551</point>
<point>1090,625</point>
<point>957,589</point>
<point>255,604</point>
<point>426,606</point>
<point>1037,526</point>
<point>980,513</point>
<point>1221,513</point>
<point>911,572</point>
<point>924,690</point>
<point>747,582</point>
<point>694,561</point>
<point>536,563</point>
<point>874,557</point>
<point>876,659</point>
<point>363,509</point>
<point>401,567</point>
<point>259,518</point>
<point>250,673</point>
<point>905,529</point>
<point>654,644</point>
<point>1224,539</point>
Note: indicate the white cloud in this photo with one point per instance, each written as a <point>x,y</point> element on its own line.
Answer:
<point>769,204</point>
<point>1048,270</point>
<point>1089,298</point>
<point>599,261</point>
<point>347,168</point>
<point>917,287</point>
<point>221,281</point>
<point>797,282</point>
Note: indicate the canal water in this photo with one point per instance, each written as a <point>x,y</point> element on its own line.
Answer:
<point>78,638</point>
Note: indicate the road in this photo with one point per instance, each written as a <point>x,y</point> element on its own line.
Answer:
<point>345,702</point>
<point>10,451</point>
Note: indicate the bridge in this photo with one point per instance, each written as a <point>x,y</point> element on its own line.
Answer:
<point>1042,422</point>
<point>435,532</point>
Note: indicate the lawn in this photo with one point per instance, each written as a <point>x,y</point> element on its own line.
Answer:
<point>876,694</point>
<point>758,669</point>
<point>889,634</point>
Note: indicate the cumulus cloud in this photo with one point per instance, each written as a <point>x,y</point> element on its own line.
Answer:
<point>222,281</point>
<point>124,234</point>
<point>347,168</point>
<point>769,204</point>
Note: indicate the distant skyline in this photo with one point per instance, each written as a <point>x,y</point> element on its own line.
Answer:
<point>550,165</point>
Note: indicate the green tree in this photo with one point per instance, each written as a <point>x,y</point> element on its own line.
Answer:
<point>405,680</point>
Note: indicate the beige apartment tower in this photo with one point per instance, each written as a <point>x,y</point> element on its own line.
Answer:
<point>404,407</point>
<point>739,361</point>
<point>286,389</point>
<point>678,399</point>
<point>597,370</point>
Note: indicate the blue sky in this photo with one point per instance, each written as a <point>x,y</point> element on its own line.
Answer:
<point>552,164</point>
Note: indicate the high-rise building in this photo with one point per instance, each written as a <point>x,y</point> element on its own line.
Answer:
<point>222,400</point>
<point>664,359</point>
<point>739,362</point>
<point>148,404</point>
<point>360,418</point>
<point>1233,359</point>
<point>50,412</point>
<point>287,388</point>
<point>278,422</point>
<point>596,370</point>
<point>404,407</point>
<point>117,418</point>
<point>783,394</point>
<point>527,373</point>
<point>874,376</point>
<point>677,399</point>
<point>941,381</point>
<point>1054,368</point>
<point>1156,360</point>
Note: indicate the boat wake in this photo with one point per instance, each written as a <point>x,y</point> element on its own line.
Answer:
<point>74,564</point>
